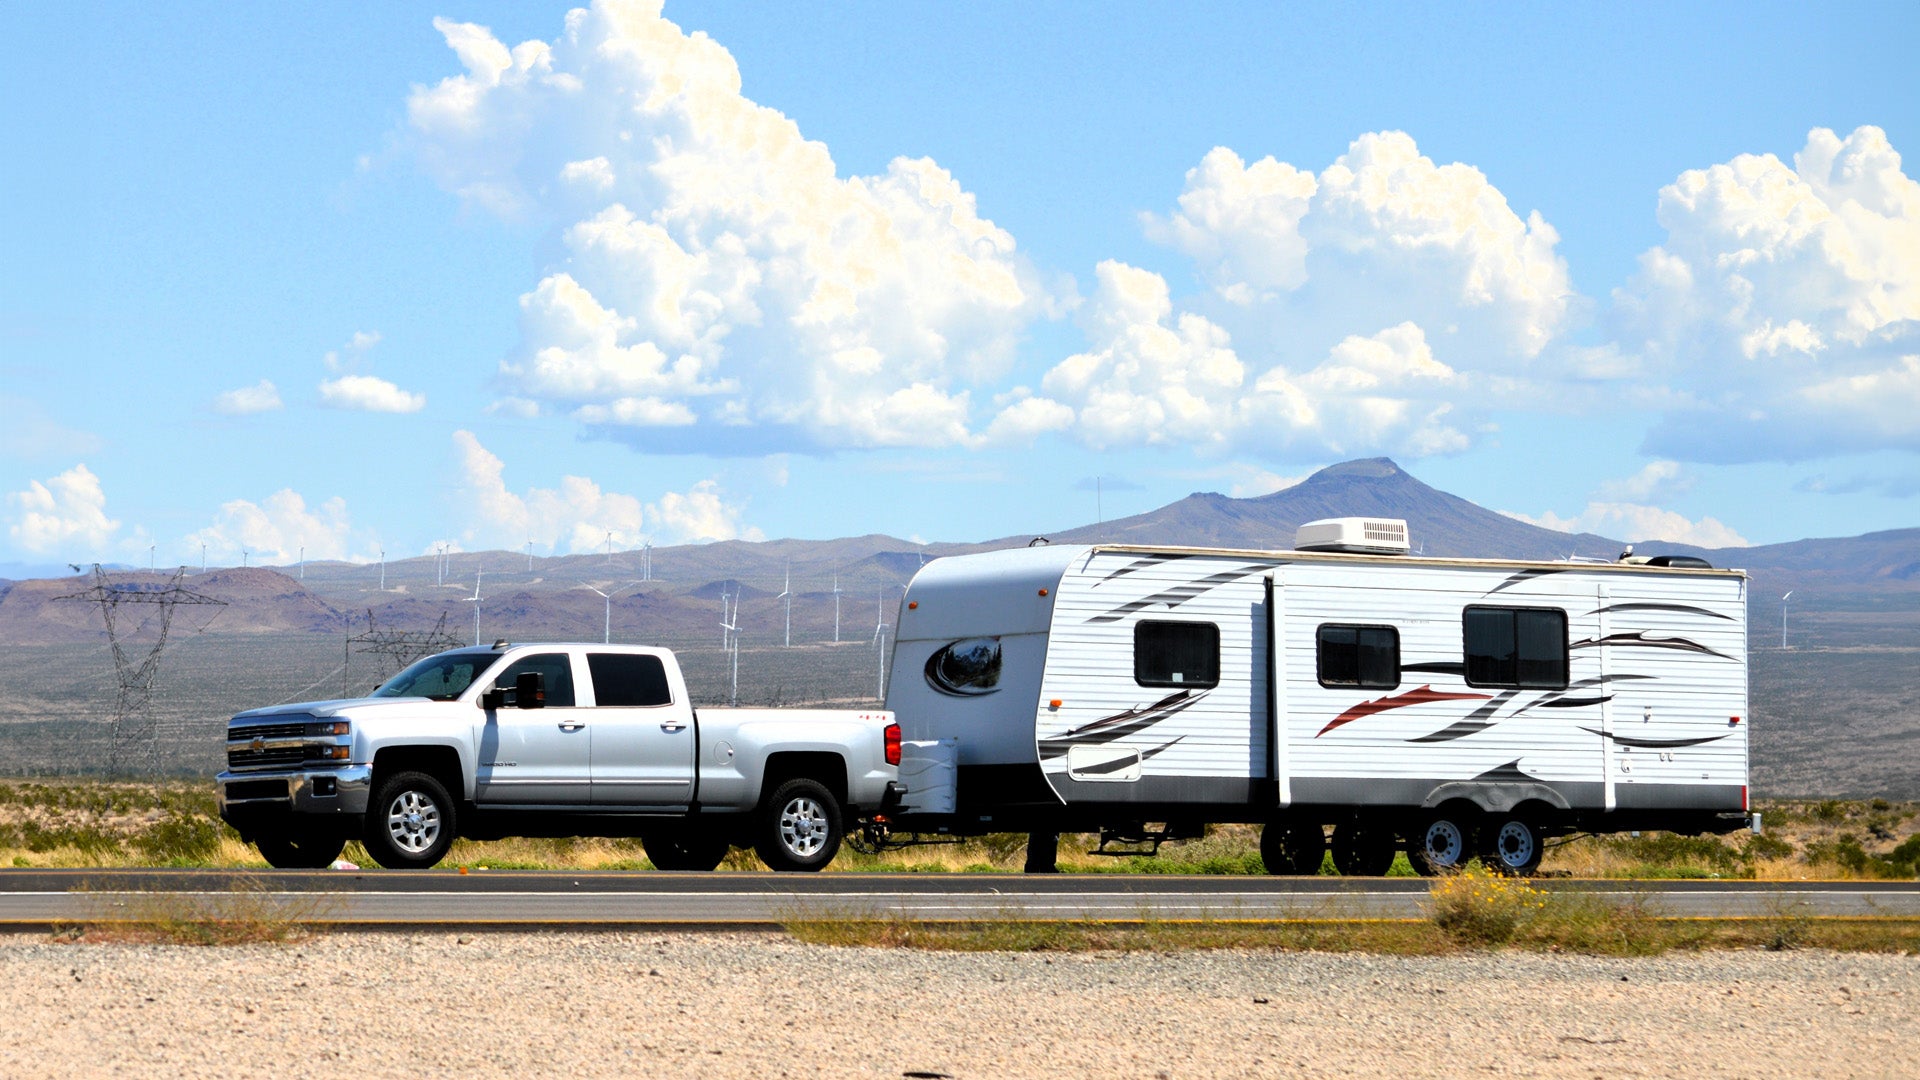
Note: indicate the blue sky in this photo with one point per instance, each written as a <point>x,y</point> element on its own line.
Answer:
<point>352,279</point>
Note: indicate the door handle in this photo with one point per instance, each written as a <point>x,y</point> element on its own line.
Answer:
<point>672,726</point>
<point>572,725</point>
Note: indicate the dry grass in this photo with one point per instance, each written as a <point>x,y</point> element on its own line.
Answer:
<point>246,914</point>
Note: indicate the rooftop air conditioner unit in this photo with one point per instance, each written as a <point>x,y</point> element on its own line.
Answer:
<point>1368,536</point>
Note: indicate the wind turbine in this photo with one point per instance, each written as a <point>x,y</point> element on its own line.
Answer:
<point>607,634</point>
<point>786,593</point>
<point>646,561</point>
<point>383,576</point>
<point>475,601</point>
<point>836,609</point>
<point>730,634</point>
<point>1783,619</point>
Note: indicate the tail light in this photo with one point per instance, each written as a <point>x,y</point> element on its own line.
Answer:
<point>893,744</point>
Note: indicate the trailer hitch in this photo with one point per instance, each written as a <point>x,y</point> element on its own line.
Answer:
<point>1137,839</point>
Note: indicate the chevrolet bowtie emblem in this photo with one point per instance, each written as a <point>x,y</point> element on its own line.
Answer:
<point>259,744</point>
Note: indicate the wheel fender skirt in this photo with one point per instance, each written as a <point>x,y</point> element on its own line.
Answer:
<point>1495,797</point>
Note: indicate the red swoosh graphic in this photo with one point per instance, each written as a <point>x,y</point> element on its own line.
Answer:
<point>1419,696</point>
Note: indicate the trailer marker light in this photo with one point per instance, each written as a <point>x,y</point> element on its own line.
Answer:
<point>913,605</point>
<point>1043,592</point>
<point>1733,721</point>
<point>1054,704</point>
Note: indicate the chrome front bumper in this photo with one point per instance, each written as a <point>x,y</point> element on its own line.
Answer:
<point>323,792</point>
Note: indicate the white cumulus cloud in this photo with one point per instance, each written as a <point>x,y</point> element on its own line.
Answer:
<point>716,264</point>
<point>66,514</point>
<point>579,515</point>
<point>1161,377</point>
<point>261,397</point>
<point>369,393</point>
<point>1639,523</point>
<point>277,529</point>
<point>1784,305</point>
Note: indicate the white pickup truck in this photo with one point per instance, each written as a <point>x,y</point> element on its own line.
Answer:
<point>552,740</point>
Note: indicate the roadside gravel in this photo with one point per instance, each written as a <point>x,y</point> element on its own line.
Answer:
<point>759,1005</point>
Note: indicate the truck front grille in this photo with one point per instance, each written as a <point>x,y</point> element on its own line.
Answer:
<point>277,745</point>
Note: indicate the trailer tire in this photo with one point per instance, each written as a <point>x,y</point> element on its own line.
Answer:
<point>1439,843</point>
<point>1512,845</point>
<point>410,821</point>
<point>686,849</point>
<point>300,849</point>
<point>1292,847</point>
<point>800,827</point>
<point>1363,850</point>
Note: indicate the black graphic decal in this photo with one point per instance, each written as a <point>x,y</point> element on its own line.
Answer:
<point>1508,773</point>
<point>1438,667</point>
<point>1641,639</point>
<point>1179,594</point>
<point>1145,562</point>
<point>1477,721</point>
<point>1120,725</point>
<point>1685,609</point>
<point>1653,744</point>
<point>1523,577</point>
<point>1121,763</point>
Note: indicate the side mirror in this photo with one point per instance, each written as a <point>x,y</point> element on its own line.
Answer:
<point>492,698</point>
<point>530,690</point>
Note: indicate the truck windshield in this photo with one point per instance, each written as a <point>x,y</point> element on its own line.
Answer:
<point>441,678</point>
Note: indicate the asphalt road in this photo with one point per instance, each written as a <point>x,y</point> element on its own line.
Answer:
<point>39,898</point>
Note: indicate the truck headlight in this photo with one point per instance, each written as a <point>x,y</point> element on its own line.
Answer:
<point>330,727</point>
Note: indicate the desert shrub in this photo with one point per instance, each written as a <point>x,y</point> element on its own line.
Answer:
<point>1677,852</point>
<point>1762,846</point>
<point>1476,906</point>
<point>181,839</point>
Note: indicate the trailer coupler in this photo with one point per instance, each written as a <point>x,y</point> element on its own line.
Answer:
<point>876,835</point>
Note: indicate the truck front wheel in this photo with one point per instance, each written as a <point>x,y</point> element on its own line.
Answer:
<point>300,849</point>
<point>799,827</point>
<point>410,821</point>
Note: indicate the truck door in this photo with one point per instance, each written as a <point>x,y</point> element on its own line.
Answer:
<point>644,747</point>
<point>535,756</point>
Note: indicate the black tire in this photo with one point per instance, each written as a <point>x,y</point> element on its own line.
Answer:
<point>296,849</point>
<point>410,821</point>
<point>799,827</point>
<point>1512,844</point>
<point>1363,850</point>
<point>1440,843</point>
<point>1292,847</point>
<point>685,849</point>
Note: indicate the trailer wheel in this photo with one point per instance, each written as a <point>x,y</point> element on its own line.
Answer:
<point>410,821</point>
<point>300,849</point>
<point>799,827</point>
<point>1439,843</point>
<point>685,849</point>
<point>1292,847</point>
<point>1363,850</point>
<point>1512,846</point>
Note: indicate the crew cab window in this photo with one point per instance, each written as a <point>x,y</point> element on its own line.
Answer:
<point>1523,648</point>
<point>558,669</point>
<point>1361,656</point>
<point>440,678</point>
<point>1176,653</point>
<point>626,680</point>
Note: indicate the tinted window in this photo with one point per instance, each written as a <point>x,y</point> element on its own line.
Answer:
<point>558,669</point>
<point>1524,648</point>
<point>1365,656</point>
<point>1176,654</point>
<point>441,678</point>
<point>623,680</point>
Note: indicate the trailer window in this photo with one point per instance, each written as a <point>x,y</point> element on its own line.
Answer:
<point>628,680</point>
<point>1176,654</point>
<point>1363,656</point>
<point>1524,648</point>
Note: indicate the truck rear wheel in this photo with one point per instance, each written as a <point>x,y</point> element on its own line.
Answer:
<point>1292,847</point>
<point>799,827</point>
<point>296,849</point>
<point>1363,850</point>
<point>1439,843</point>
<point>410,821</point>
<point>685,849</point>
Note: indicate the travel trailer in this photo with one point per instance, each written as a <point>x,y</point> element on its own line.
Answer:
<point>1449,707</point>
